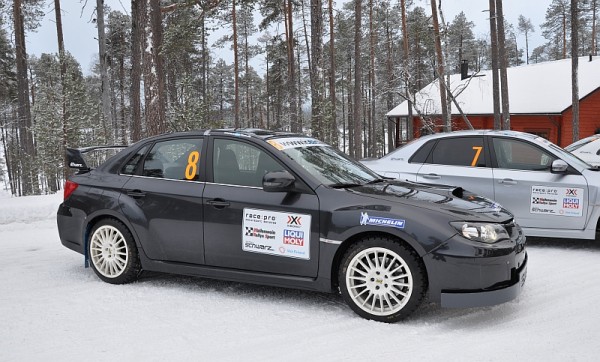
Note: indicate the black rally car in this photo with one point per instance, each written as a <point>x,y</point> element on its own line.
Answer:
<point>288,210</point>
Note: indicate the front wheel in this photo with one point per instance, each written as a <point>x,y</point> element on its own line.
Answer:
<point>113,253</point>
<point>382,280</point>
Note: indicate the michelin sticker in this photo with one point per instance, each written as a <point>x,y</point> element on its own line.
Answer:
<point>276,233</point>
<point>365,219</point>
<point>294,142</point>
<point>560,201</point>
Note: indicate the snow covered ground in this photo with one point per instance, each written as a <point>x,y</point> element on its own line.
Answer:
<point>51,308</point>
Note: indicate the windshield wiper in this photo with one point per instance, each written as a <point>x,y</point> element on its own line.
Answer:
<point>378,180</point>
<point>345,185</point>
<point>351,184</point>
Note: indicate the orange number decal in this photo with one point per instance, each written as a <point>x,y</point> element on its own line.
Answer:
<point>477,153</point>
<point>192,166</point>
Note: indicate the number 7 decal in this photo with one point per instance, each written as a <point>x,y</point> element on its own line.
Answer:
<point>477,153</point>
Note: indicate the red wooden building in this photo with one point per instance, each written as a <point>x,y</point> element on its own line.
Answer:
<point>540,101</point>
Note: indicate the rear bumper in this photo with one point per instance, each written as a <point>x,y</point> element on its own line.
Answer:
<point>70,223</point>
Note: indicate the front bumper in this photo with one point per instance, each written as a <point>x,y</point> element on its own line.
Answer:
<point>464,274</point>
<point>484,298</point>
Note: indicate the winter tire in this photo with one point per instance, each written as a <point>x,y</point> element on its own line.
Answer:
<point>113,254</point>
<point>382,280</point>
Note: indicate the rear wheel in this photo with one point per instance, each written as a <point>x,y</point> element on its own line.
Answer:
<point>382,280</point>
<point>113,254</point>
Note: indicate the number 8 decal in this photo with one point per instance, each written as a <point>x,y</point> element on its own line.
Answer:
<point>192,166</point>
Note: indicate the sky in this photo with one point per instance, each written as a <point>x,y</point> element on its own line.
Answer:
<point>53,309</point>
<point>80,33</point>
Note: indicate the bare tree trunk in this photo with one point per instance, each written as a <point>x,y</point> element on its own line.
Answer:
<point>405,58</point>
<point>247,74</point>
<point>107,116</point>
<point>236,68</point>
<point>138,10</point>
<point>575,67</point>
<point>29,179</point>
<point>495,77</point>
<point>503,66</point>
<point>564,27</point>
<point>332,96</point>
<point>294,126</point>
<point>154,75</point>
<point>316,45</point>
<point>440,65</point>
<point>63,74</point>
<point>356,150</point>
<point>123,124</point>
<point>594,10</point>
<point>373,128</point>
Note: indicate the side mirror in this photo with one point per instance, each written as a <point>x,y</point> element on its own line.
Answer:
<point>278,181</point>
<point>559,166</point>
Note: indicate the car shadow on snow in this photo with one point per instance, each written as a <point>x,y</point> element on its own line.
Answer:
<point>427,313</point>
<point>572,244</point>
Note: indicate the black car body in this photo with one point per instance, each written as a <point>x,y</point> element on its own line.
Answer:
<point>288,210</point>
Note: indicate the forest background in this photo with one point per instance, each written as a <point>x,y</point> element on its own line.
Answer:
<point>330,70</point>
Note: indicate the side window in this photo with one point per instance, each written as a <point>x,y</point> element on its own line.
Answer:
<point>459,152</point>
<point>521,155</point>
<point>131,167</point>
<point>422,153</point>
<point>177,159</point>
<point>238,163</point>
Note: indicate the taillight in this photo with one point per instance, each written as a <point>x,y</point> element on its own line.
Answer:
<point>70,186</point>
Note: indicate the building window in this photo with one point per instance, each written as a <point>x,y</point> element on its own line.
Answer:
<point>544,133</point>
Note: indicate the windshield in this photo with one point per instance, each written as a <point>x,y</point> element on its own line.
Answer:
<point>328,165</point>
<point>573,146</point>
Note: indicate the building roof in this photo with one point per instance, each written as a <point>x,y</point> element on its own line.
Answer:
<point>542,88</point>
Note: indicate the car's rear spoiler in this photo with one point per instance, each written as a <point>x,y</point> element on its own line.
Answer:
<point>75,156</point>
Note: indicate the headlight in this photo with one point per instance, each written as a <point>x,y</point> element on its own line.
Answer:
<point>485,233</point>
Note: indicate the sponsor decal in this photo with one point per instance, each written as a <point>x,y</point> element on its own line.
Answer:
<point>259,233</point>
<point>543,201</point>
<point>251,245</point>
<point>73,164</point>
<point>293,237</point>
<point>570,203</point>
<point>365,219</point>
<point>276,233</point>
<point>557,201</point>
<point>295,142</point>
<point>543,190</point>
<point>294,220</point>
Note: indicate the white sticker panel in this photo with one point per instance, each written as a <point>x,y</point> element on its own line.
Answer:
<point>276,233</point>
<point>294,142</point>
<point>559,201</point>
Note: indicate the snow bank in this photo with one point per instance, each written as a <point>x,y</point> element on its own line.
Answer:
<point>28,209</point>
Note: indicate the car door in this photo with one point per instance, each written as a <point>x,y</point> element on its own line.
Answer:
<point>459,161</point>
<point>525,185</point>
<point>163,200</point>
<point>249,229</point>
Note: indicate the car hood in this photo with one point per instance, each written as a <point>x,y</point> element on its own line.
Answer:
<point>446,199</point>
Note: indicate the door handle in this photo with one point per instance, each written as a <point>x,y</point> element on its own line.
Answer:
<point>508,181</point>
<point>218,203</point>
<point>136,194</point>
<point>432,176</point>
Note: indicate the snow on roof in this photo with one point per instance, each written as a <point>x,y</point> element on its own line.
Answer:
<point>542,88</point>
